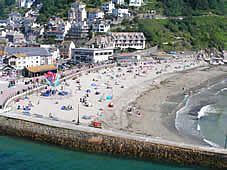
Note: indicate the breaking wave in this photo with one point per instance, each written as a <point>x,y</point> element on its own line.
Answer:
<point>200,107</point>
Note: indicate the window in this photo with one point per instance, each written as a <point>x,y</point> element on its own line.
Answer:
<point>37,61</point>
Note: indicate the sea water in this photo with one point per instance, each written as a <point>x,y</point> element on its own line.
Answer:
<point>213,125</point>
<point>17,154</point>
<point>204,115</point>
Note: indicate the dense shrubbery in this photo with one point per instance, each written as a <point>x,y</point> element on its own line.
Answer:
<point>196,32</point>
<point>54,8</point>
<point>60,8</point>
<point>192,32</point>
<point>5,7</point>
<point>192,7</point>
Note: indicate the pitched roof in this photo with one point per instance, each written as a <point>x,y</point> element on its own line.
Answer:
<point>29,51</point>
<point>128,35</point>
<point>41,68</point>
<point>67,43</point>
<point>4,21</point>
<point>19,55</point>
<point>93,10</point>
<point>78,2</point>
<point>3,52</point>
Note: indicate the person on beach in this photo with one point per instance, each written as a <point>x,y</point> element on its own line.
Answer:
<point>50,115</point>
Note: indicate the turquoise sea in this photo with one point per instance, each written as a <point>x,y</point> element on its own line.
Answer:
<point>17,154</point>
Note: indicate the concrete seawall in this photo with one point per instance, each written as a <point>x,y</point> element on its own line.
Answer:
<point>93,140</point>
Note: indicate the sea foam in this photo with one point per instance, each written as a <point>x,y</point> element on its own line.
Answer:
<point>204,110</point>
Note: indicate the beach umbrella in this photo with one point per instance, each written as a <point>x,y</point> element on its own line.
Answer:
<point>109,97</point>
<point>110,104</point>
<point>27,108</point>
<point>102,98</point>
<point>97,93</point>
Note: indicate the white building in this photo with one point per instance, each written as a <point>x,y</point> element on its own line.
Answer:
<point>119,2</point>
<point>95,15</point>
<point>100,27</point>
<point>66,49</point>
<point>225,57</point>
<point>53,50</point>
<point>121,13</point>
<point>90,55</point>
<point>3,23</point>
<point>125,40</point>
<point>101,41</point>
<point>108,7</point>
<point>25,3</point>
<point>2,35</point>
<point>59,35</point>
<point>77,12</point>
<point>16,38</point>
<point>79,29</point>
<point>24,57</point>
<point>136,3</point>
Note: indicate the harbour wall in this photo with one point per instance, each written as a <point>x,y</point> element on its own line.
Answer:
<point>103,141</point>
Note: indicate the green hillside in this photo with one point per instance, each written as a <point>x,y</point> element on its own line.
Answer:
<point>5,7</point>
<point>192,7</point>
<point>190,33</point>
<point>166,7</point>
<point>60,8</point>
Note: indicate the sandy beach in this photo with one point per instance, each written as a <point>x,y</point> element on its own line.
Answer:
<point>160,103</point>
<point>144,96</point>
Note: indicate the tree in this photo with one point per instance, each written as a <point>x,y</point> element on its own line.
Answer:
<point>212,4</point>
<point>202,4</point>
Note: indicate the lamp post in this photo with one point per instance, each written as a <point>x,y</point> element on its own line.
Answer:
<point>225,141</point>
<point>78,118</point>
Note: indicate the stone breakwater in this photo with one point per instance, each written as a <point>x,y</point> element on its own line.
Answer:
<point>99,143</point>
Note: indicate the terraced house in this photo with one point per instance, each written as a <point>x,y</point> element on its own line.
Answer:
<point>125,40</point>
<point>28,58</point>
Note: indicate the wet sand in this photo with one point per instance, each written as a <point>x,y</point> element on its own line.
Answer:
<point>159,102</point>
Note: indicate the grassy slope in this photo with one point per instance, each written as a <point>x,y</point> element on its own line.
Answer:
<point>197,32</point>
